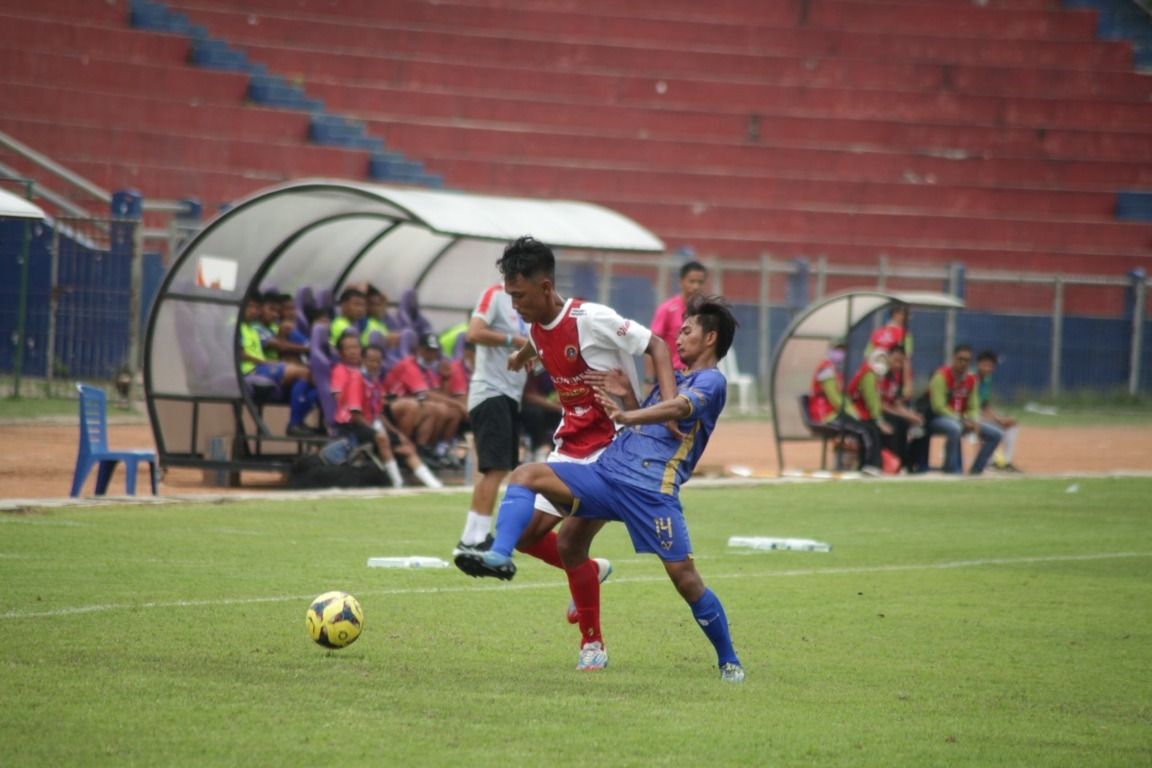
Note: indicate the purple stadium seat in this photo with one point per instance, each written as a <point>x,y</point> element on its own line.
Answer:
<point>305,303</point>
<point>320,363</point>
<point>408,314</point>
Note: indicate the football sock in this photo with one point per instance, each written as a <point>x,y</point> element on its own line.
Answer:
<point>709,614</point>
<point>584,583</point>
<point>546,550</point>
<point>516,512</point>
<point>476,528</point>
<point>299,405</point>
<point>392,469</point>
<point>424,475</point>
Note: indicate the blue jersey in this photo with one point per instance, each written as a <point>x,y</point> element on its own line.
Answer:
<point>649,456</point>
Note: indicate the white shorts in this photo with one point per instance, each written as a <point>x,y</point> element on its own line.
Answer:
<point>542,503</point>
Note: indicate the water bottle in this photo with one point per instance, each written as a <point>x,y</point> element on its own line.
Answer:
<point>774,543</point>
<point>409,561</point>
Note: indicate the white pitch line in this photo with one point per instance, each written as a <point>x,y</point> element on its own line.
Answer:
<point>492,587</point>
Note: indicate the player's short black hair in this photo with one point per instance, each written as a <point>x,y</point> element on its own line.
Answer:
<point>692,266</point>
<point>372,291</point>
<point>961,348</point>
<point>897,348</point>
<point>529,258</point>
<point>369,347</point>
<point>350,293</point>
<point>988,354</point>
<point>714,313</point>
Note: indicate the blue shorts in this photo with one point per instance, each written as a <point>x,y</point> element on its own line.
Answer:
<point>655,520</point>
<point>274,371</point>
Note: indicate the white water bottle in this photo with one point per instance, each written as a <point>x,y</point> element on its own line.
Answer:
<point>410,561</point>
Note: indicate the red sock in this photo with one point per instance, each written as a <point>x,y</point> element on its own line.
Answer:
<point>584,583</point>
<point>545,549</point>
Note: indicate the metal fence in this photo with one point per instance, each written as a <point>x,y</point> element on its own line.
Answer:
<point>1054,333</point>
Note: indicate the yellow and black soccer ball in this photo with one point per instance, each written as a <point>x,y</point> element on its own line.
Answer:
<point>335,619</point>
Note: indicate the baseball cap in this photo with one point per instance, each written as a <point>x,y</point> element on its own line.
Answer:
<point>430,341</point>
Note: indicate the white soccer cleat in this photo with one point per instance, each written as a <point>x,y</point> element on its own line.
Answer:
<point>605,568</point>
<point>732,673</point>
<point>592,657</point>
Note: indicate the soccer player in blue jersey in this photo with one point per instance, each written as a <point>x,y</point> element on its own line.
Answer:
<point>637,480</point>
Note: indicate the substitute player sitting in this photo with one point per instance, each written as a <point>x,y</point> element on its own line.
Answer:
<point>637,479</point>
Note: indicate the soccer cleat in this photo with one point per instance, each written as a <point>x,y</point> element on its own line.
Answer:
<point>478,548</point>
<point>491,564</point>
<point>605,568</point>
<point>732,673</point>
<point>592,657</point>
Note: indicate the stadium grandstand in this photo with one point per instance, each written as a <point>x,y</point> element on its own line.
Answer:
<point>1010,138</point>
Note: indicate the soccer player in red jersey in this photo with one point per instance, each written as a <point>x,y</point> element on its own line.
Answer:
<point>573,340</point>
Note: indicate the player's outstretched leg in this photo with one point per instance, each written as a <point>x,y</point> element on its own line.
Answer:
<point>515,516</point>
<point>709,614</point>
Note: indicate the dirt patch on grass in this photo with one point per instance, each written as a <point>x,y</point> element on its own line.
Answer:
<point>37,460</point>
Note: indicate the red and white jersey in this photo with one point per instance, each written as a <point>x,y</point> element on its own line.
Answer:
<point>586,336</point>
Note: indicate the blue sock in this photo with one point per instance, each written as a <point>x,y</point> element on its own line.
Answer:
<point>709,614</point>
<point>299,405</point>
<point>516,512</point>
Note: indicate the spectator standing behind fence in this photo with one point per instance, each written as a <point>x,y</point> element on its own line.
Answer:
<point>496,330</point>
<point>954,410</point>
<point>669,316</point>
<point>986,363</point>
<point>827,405</point>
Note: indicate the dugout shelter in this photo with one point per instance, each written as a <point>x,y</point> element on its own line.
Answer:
<point>325,234</point>
<point>849,316</point>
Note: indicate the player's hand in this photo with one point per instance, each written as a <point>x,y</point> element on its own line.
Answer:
<point>1007,422</point>
<point>516,362</point>
<point>615,382</point>
<point>885,427</point>
<point>674,428</point>
<point>608,403</point>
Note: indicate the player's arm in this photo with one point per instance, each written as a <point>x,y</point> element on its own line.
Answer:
<point>938,395</point>
<point>616,383</point>
<point>662,362</point>
<point>520,359</point>
<point>673,410</point>
<point>480,332</point>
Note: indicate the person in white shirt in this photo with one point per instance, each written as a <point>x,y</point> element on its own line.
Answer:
<point>496,330</point>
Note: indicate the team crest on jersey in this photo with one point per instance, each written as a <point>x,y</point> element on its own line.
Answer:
<point>571,352</point>
<point>623,330</point>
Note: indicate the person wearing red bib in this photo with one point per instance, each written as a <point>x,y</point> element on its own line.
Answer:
<point>954,410</point>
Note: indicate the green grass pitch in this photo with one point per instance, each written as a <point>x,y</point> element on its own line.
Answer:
<point>953,623</point>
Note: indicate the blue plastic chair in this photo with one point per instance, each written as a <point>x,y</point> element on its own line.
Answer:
<point>94,447</point>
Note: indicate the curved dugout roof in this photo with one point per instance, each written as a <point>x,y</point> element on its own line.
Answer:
<point>15,207</point>
<point>325,233</point>
<point>806,340</point>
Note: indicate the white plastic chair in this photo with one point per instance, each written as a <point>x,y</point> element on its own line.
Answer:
<point>745,383</point>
